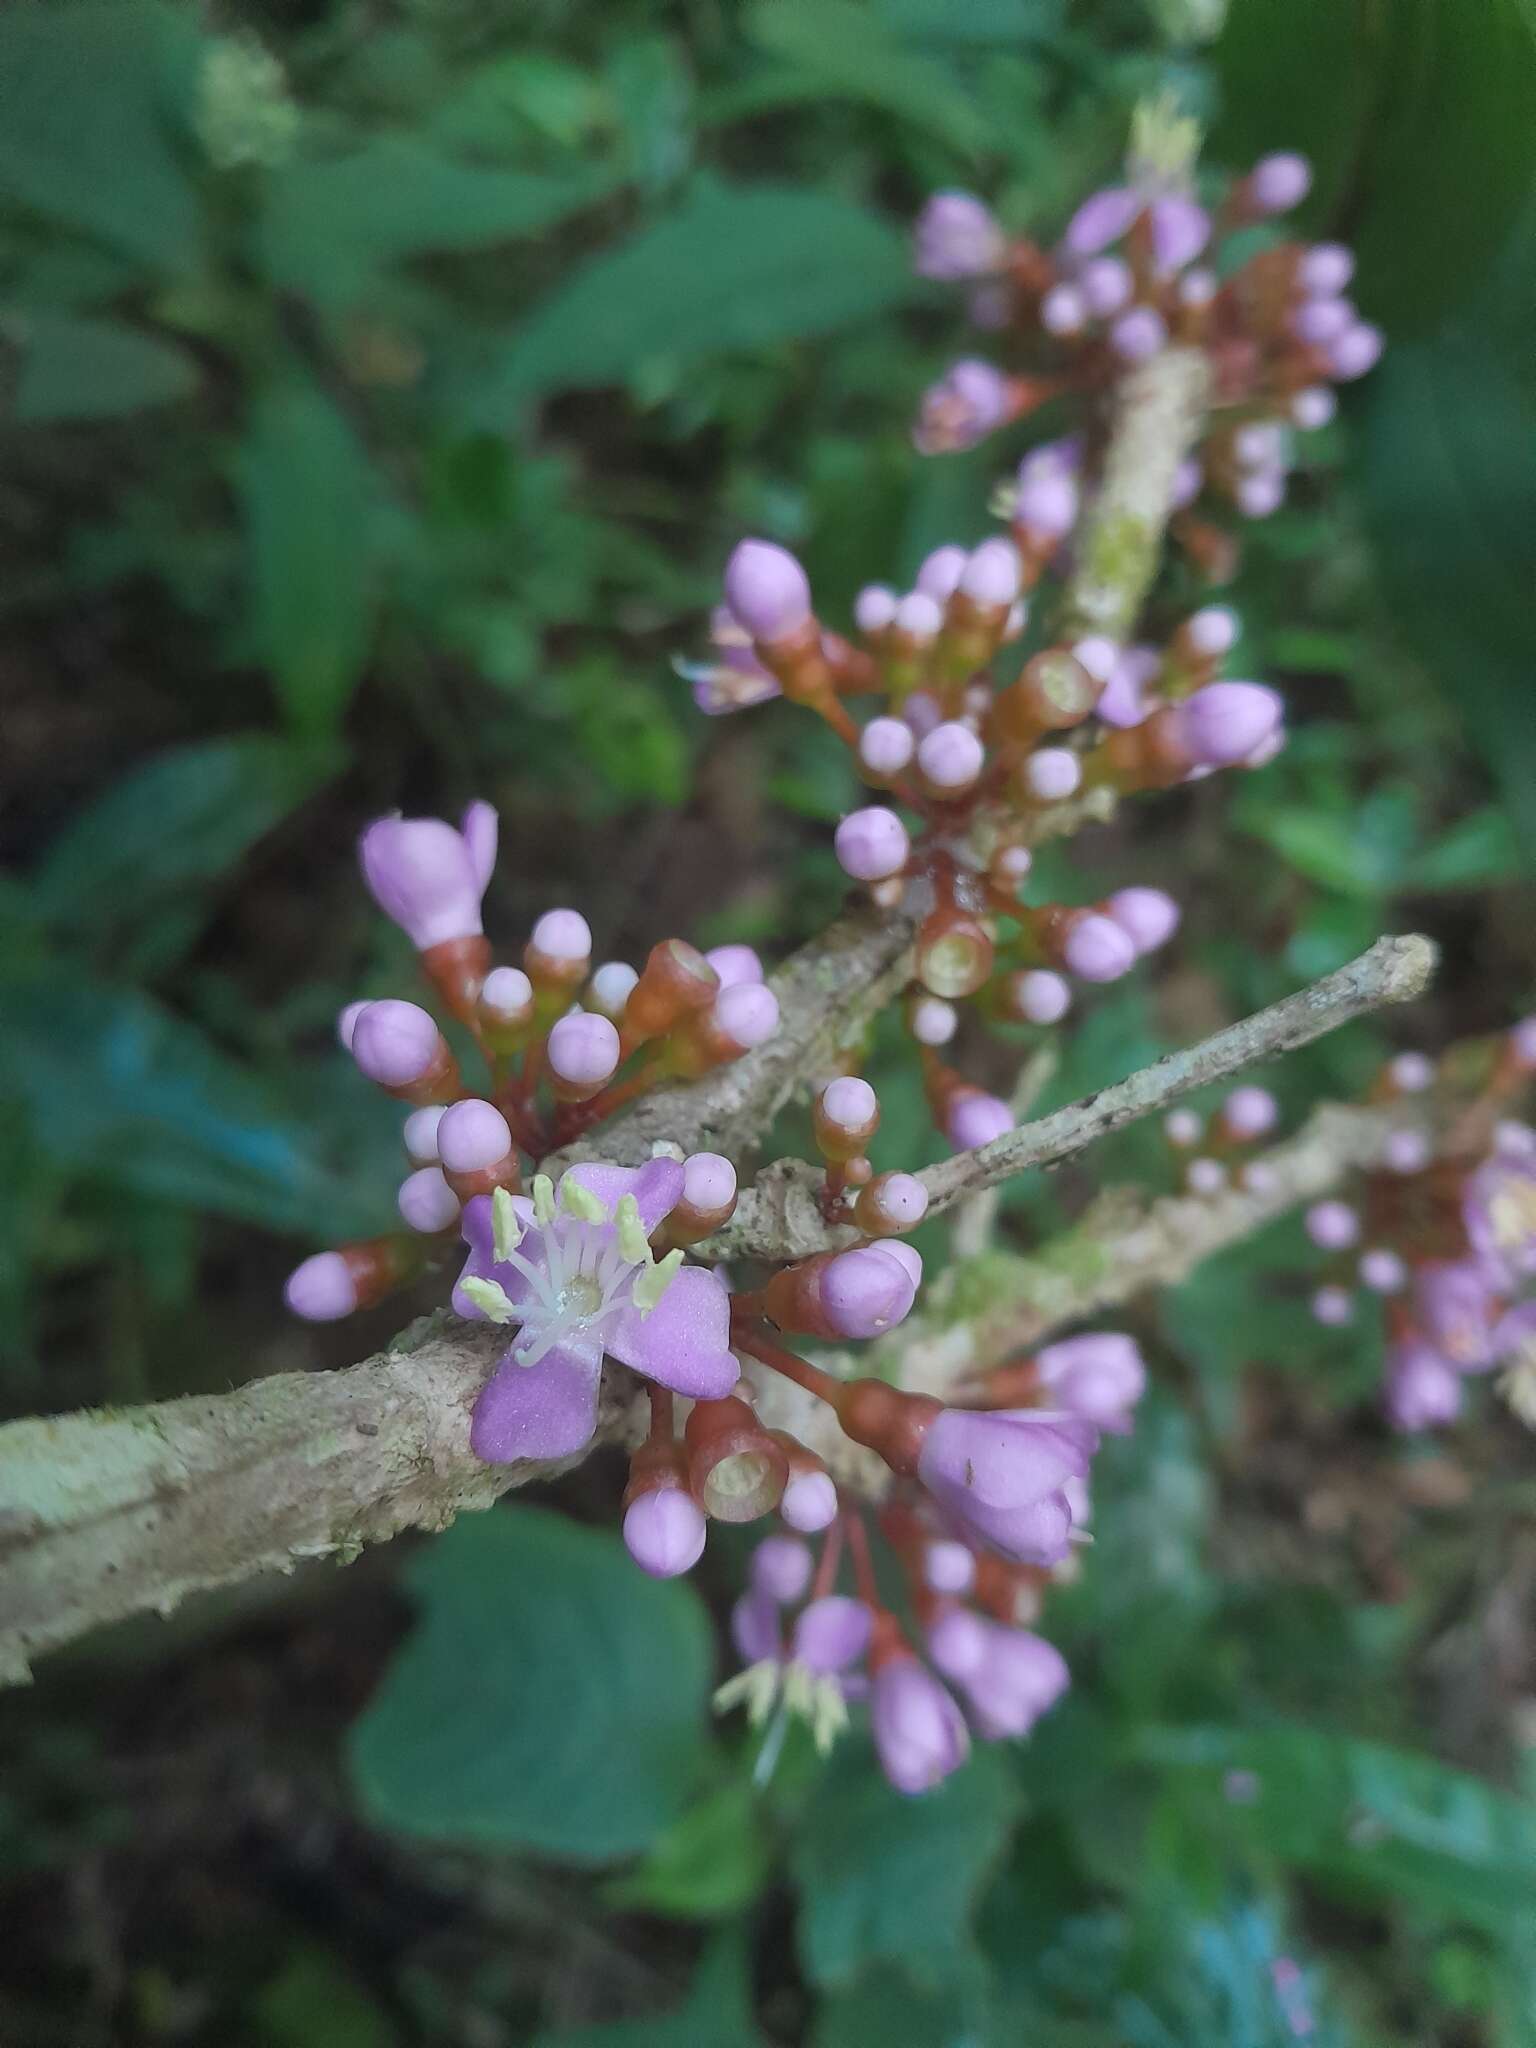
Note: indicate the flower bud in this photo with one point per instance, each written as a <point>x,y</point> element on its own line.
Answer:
<point>708,1199</point>
<point>1410,1073</point>
<point>734,964</point>
<point>1138,334</point>
<point>873,609</point>
<point>1249,1113</point>
<point>399,1046</point>
<point>474,1142</point>
<point>780,1570</point>
<point>885,747</point>
<point>956,237</point>
<point>919,1732</point>
<point>1406,1152</point>
<point>420,1135</point>
<point>1104,217</point>
<point>1325,269</point>
<point>948,1566</point>
<point>1333,1226</point>
<point>504,1007</point>
<point>1224,722</point>
<point>664,1532</point>
<point>1210,632</point>
<point>1314,407</point>
<point>831,1634</point>
<point>890,1204</point>
<point>990,577</point>
<point>1259,495</point>
<point>559,950</point>
<point>1106,286</point>
<point>932,1021</point>
<point>1278,182</point>
<point>1037,996</point>
<point>583,1052</point>
<point>844,1117</point>
<point>1205,1177</point>
<point>950,759</point>
<point>1183,1128</point>
<point>1064,311</point>
<point>1333,1307</point>
<point>676,980</point>
<point>427,1203</point>
<point>973,1118</point>
<point>1051,774</point>
<point>346,1024</point>
<point>1356,350</point>
<point>939,576</point>
<point>609,989</point>
<point>1383,1271</point>
<point>767,590</point>
<point>1148,917</point>
<point>810,1497</point>
<point>333,1284</point>
<point>427,877</point>
<point>872,844</point>
<point>968,403</point>
<point>1320,322</point>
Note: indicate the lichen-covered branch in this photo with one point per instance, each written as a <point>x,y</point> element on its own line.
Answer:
<point>780,1216</point>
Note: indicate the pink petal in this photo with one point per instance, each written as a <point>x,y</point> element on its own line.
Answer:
<point>684,1343</point>
<point>657,1186</point>
<point>548,1410</point>
<point>481,1264</point>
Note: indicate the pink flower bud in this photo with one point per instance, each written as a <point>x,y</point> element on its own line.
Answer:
<point>709,1182</point>
<point>1333,1307</point>
<point>767,590</point>
<point>919,1732</point>
<point>1405,1152</point>
<point>872,844</point>
<point>429,878</point>
<point>1314,407</point>
<point>949,1567</point>
<point>809,1502</point>
<point>1279,182</point>
<point>1206,1177</point>
<point>1261,494</point>
<point>1098,654</point>
<point>991,574</point>
<point>1411,1073</point>
<point>420,1134</point>
<point>1063,310</point>
<point>1188,480</point>
<point>1138,334</point>
<point>664,1532</point>
<point>1522,1043</point>
<point>1184,1128</point>
<point>1180,230</point>
<point>1039,996</point>
<point>506,996</point>
<point>608,990</point>
<point>919,616</point>
<point>1198,288</point>
<point>1099,1376</point>
<point>1332,1226</point>
<point>933,1021</point>
<point>733,964</point>
<point>956,237</point>
<point>967,403</point>
<point>886,746</point>
<point>951,758</point>
<point>1106,285</point>
<point>1383,1271</point>
<point>322,1289</point>
<point>1211,632</point>
<point>1047,504</point>
<point>1097,949</point>
<point>1052,773</point>
<point>1422,1390</point>
<point>747,1013</point>
<point>1356,350</point>
<point>1325,270</point>
<point>849,1105</point>
<point>1222,723</point>
<point>562,935</point>
<point>865,1292</point>
<point>1260,445</point>
<point>957,1641</point>
<point>472,1135</point>
<point>396,1043</point>
<point>583,1049</point>
<point>874,608</point>
<point>974,1118</point>
<point>891,1203</point>
<point>426,1201</point>
<point>1249,1112</point>
<point>1149,917</point>
<point>1320,321</point>
<point>780,1570</point>
<point>939,576</point>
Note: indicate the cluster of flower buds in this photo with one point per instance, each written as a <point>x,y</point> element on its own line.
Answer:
<point>1213,1155</point>
<point>563,1044</point>
<point>1140,266</point>
<point>986,1504</point>
<point>973,771</point>
<point>1445,1234</point>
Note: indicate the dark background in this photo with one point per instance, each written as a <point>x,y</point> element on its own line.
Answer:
<point>385,386</point>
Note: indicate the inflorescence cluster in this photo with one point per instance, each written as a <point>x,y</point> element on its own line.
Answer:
<point>986,736</point>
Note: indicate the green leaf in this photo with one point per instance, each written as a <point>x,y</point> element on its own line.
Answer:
<point>311,502</point>
<point>312,1999</point>
<point>77,369</point>
<point>90,94</point>
<point>1478,852</point>
<point>1365,1816</point>
<point>550,1697</point>
<point>888,2008</point>
<point>1451,500</point>
<point>734,267</point>
<point>712,1861</point>
<point>174,823</point>
<point>841,43</point>
<point>716,2014</point>
<point>1293,74</point>
<point>329,227</point>
<point>123,1091</point>
<point>1362,852</point>
<point>885,1878</point>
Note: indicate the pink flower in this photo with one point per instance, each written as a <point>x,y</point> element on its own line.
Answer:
<point>576,1276</point>
<point>1004,1476</point>
<point>428,877</point>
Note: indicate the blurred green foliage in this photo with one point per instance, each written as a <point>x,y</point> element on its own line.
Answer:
<point>384,387</point>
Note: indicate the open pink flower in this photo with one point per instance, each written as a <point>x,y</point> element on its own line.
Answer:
<point>573,1271</point>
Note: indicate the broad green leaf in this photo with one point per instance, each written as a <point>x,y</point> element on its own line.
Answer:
<point>734,267</point>
<point>88,99</point>
<point>1478,852</point>
<point>712,1861</point>
<point>173,823</point>
<point>717,2012</point>
<point>1360,852</point>
<point>312,504</point>
<point>884,1878</point>
<point>328,227</point>
<point>119,1089</point>
<point>550,1697</point>
<point>1293,74</point>
<point>77,369</point>
<point>1006,22</point>
<point>1368,1817</point>
<point>1451,500</point>
<point>888,2008</point>
<point>843,44</point>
